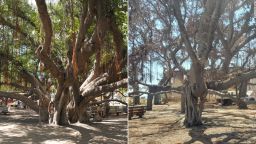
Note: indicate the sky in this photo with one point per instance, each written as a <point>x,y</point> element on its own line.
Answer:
<point>33,2</point>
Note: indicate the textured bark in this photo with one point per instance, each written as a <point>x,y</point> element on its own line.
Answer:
<point>60,116</point>
<point>136,100</point>
<point>242,93</point>
<point>81,50</point>
<point>79,113</point>
<point>83,115</point>
<point>193,111</point>
<point>226,63</point>
<point>72,112</point>
<point>47,24</point>
<point>157,99</point>
<point>182,103</point>
<point>149,102</point>
<point>195,92</point>
<point>233,80</point>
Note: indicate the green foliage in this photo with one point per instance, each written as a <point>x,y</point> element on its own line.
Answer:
<point>65,17</point>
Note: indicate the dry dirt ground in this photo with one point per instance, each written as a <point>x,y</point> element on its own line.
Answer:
<point>22,127</point>
<point>222,125</point>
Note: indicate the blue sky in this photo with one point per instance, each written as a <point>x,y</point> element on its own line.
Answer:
<point>33,2</point>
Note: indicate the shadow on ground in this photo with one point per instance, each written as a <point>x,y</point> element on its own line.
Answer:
<point>241,131</point>
<point>24,128</point>
<point>221,126</point>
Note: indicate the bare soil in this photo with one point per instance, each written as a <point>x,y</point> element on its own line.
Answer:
<point>222,125</point>
<point>22,126</point>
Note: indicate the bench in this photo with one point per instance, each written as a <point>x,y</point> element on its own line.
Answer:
<point>136,110</point>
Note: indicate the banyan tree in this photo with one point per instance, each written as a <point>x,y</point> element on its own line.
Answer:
<point>68,52</point>
<point>212,42</point>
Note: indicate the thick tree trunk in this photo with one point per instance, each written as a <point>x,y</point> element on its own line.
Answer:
<point>60,113</point>
<point>195,92</point>
<point>72,114</point>
<point>136,100</point>
<point>242,93</point>
<point>182,103</point>
<point>78,113</point>
<point>192,109</point>
<point>44,115</point>
<point>226,63</point>
<point>83,115</point>
<point>157,99</point>
<point>149,102</point>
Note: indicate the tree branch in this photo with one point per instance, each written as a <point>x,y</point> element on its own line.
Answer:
<point>222,85</point>
<point>22,97</point>
<point>108,100</point>
<point>18,29</point>
<point>183,31</point>
<point>47,24</point>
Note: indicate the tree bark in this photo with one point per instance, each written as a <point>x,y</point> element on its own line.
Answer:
<point>193,111</point>
<point>149,102</point>
<point>242,93</point>
<point>182,103</point>
<point>195,92</point>
<point>157,99</point>
<point>83,115</point>
<point>60,113</point>
<point>136,100</point>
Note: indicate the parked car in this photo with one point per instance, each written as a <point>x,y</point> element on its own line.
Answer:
<point>4,109</point>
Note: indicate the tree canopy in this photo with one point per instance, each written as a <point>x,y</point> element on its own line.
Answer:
<point>73,50</point>
<point>211,42</point>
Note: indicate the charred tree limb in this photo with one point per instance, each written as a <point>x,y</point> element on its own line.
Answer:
<point>184,35</point>
<point>108,100</point>
<point>140,93</point>
<point>222,85</point>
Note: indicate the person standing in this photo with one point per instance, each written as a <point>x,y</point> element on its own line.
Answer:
<point>51,111</point>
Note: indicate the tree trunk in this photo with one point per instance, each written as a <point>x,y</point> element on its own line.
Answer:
<point>83,115</point>
<point>77,113</point>
<point>44,115</point>
<point>195,92</point>
<point>226,63</point>
<point>136,100</point>
<point>60,116</point>
<point>72,114</point>
<point>192,109</point>
<point>242,93</point>
<point>149,102</point>
<point>157,99</point>
<point>182,103</point>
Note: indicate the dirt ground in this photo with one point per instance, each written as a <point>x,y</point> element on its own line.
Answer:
<point>222,125</point>
<point>22,127</point>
